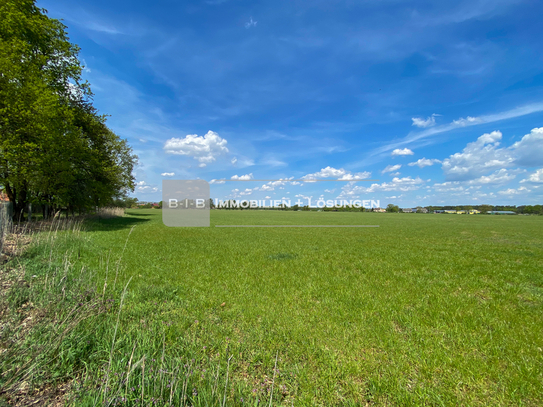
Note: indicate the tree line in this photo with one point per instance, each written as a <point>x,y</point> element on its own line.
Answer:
<point>55,148</point>
<point>485,208</point>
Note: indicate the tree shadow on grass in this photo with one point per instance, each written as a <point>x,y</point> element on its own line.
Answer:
<point>111,224</point>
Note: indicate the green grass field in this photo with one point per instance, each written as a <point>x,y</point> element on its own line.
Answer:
<point>424,310</point>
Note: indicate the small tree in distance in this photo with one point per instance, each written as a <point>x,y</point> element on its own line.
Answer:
<point>393,208</point>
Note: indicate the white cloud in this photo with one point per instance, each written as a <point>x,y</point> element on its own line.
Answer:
<point>205,149</point>
<point>144,188</point>
<point>251,23</point>
<point>402,151</point>
<point>214,181</point>
<point>511,191</point>
<point>468,121</point>
<point>391,168</point>
<point>397,184</point>
<point>341,174</point>
<point>477,158</point>
<point>245,177</point>
<point>85,66</point>
<point>358,175</point>
<point>100,27</point>
<point>536,177</point>
<point>326,173</point>
<point>484,155</point>
<point>424,162</point>
<point>499,177</point>
<point>429,122</point>
<point>529,151</point>
<point>473,186</point>
<point>270,186</point>
<point>168,174</point>
<point>449,186</point>
<point>234,161</point>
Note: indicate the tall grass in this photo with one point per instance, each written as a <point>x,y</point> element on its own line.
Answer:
<point>110,212</point>
<point>63,326</point>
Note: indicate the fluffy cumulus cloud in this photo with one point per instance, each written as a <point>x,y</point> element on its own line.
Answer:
<point>424,162</point>
<point>477,158</point>
<point>485,155</point>
<point>391,168</point>
<point>216,181</point>
<point>536,177</point>
<point>245,177</point>
<point>402,151</point>
<point>340,174</point>
<point>168,174</point>
<point>528,152</point>
<point>205,149</point>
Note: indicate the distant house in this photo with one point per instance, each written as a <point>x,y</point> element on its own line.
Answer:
<point>422,210</point>
<point>450,211</point>
<point>378,210</point>
<point>439,211</point>
<point>461,212</point>
<point>502,213</point>
<point>408,210</point>
<point>473,211</point>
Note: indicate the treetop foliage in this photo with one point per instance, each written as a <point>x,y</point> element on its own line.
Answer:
<point>55,149</point>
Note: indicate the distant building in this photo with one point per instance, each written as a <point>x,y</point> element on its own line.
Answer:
<point>461,212</point>
<point>421,210</point>
<point>378,210</point>
<point>449,211</point>
<point>473,211</point>
<point>408,210</point>
<point>502,213</point>
<point>439,211</point>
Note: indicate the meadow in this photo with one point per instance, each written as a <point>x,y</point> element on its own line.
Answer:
<point>423,310</point>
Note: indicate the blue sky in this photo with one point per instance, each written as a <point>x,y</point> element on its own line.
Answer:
<point>441,102</point>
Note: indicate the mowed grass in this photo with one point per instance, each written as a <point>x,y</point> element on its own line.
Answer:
<point>424,310</point>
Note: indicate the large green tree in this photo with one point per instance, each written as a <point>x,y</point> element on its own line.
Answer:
<point>54,148</point>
